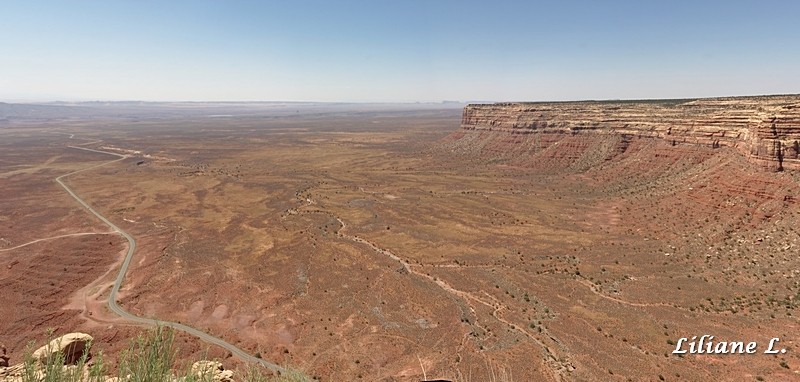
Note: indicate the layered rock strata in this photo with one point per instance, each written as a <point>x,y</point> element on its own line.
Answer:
<point>766,129</point>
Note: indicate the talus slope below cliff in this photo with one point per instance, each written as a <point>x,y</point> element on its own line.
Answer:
<point>765,129</point>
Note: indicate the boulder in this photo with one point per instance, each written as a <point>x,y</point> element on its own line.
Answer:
<point>214,369</point>
<point>12,373</point>
<point>71,345</point>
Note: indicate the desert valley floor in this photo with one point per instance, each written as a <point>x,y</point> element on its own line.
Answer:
<point>395,246</point>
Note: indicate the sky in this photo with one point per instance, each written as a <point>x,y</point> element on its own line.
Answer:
<point>396,51</point>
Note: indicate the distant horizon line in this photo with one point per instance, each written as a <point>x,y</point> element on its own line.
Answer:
<point>441,102</point>
<point>51,102</point>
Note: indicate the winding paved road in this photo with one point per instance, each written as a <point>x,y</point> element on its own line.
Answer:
<point>112,297</point>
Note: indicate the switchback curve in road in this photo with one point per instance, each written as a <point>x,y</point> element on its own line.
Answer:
<point>112,297</point>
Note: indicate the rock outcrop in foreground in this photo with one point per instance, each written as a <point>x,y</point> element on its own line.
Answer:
<point>69,349</point>
<point>766,129</point>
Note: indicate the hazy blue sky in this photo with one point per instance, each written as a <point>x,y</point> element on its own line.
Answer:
<point>374,50</point>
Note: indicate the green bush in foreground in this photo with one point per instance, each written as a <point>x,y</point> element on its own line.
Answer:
<point>51,368</point>
<point>149,358</point>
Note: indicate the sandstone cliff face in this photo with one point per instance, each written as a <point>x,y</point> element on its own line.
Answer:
<point>765,129</point>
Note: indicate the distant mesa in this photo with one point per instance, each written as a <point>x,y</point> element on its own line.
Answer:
<point>766,129</point>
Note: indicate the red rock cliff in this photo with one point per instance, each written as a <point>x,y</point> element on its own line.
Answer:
<point>766,129</point>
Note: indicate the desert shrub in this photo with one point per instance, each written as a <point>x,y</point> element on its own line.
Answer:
<point>148,358</point>
<point>51,367</point>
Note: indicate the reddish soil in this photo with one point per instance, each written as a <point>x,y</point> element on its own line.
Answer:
<point>57,262</point>
<point>379,247</point>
